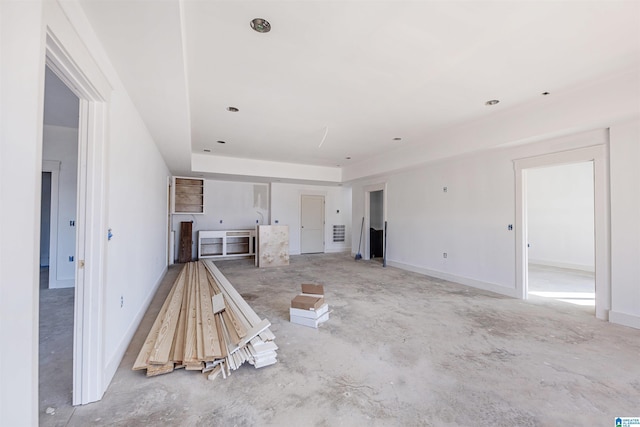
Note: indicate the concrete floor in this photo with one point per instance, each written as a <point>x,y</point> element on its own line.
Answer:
<point>399,349</point>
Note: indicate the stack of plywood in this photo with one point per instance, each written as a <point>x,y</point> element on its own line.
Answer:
<point>206,325</point>
<point>309,308</point>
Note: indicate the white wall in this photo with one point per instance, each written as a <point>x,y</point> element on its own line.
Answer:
<point>61,144</point>
<point>135,204</point>
<point>285,209</point>
<point>469,221</point>
<point>228,206</point>
<point>22,81</point>
<point>625,224</point>
<point>561,216</point>
<point>137,201</point>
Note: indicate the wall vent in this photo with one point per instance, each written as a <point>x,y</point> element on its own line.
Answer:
<point>338,233</point>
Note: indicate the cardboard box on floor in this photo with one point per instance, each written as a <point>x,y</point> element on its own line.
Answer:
<point>309,308</point>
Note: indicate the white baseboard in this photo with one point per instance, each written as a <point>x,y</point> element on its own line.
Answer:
<point>580,267</point>
<point>624,319</point>
<point>487,286</point>
<point>112,366</point>
<point>337,250</point>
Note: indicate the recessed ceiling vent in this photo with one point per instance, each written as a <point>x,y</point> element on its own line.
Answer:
<point>491,102</point>
<point>260,25</point>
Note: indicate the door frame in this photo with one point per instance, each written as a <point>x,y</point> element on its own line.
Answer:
<point>366,250</point>
<point>599,155</point>
<point>324,218</point>
<point>88,347</point>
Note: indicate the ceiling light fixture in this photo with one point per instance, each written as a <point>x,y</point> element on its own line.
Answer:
<point>260,25</point>
<point>491,102</point>
<point>546,93</point>
<point>397,138</point>
<point>206,150</point>
<point>348,158</point>
<point>221,142</point>
<point>232,109</point>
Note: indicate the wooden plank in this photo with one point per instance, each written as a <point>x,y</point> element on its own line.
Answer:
<point>178,346</point>
<point>252,333</point>
<point>218,303</point>
<point>223,343</point>
<point>232,294</point>
<point>240,329</point>
<point>194,366</point>
<point>235,298</point>
<point>199,332</point>
<point>154,370</point>
<point>190,351</point>
<point>214,373</point>
<point>211,343</point>
<point>161,350</point>
<point>142,360</point>
<point>235,339</point>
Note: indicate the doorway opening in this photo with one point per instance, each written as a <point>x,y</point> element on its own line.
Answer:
<point>597,157</point>
<point>88,217</point>
<point>560,227</point>
<point>58,255</point>
<point>375,215</point>
<point>311,224</point>
<point>376,225</point>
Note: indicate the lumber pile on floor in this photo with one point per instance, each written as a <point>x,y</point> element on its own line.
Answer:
<point>205,325</point>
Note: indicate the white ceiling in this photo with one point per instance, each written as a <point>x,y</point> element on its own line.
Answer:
<point>361,73</point>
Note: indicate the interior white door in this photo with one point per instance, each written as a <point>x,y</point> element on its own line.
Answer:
<point>312,224</point>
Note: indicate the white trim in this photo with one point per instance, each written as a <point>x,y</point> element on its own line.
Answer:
<point>599,155</point>
<point>631,320</point>
<point>53,166</point>
<point>368,189</point>
<point>90,222</point>
<point>467,281</point>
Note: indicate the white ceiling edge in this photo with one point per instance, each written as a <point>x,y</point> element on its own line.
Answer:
<point>261,169</point>
<point>598,105</point>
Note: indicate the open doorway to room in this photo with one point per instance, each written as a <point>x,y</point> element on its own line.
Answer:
<point>58,244</point>
<point>595,155</point>
<point>376,225</point>
<point>375,214</point>
<point>560,226</point>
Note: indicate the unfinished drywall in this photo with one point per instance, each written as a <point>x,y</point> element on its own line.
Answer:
<point>61,144</point>
<point>285,210</point>
<point>625,226</point>
<point>560,216</point>
<point>228,206</point>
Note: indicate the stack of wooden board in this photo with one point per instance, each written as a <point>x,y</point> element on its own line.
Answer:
<point>309,308</point>
<point>206,325</point>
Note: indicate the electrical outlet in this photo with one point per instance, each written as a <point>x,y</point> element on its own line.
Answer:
<point>121,301</point>
<point>510,227</point>
<point>220,221</point>
<point>72,223</point>
<point>444,254</point>
<point>444,189</point>
<point>71,258</point>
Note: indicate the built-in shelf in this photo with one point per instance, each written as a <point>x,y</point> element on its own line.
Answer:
<point>187,195</point>
<point>225,243</point>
